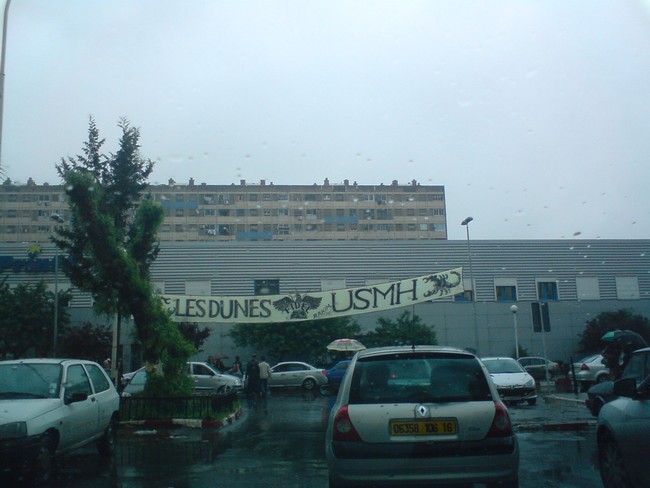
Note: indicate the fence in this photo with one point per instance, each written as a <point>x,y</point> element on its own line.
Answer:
<point>192,407</point>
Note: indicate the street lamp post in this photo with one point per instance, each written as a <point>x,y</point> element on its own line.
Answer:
<point>513,309</point>
<point>5,18</point>
<point>58,219</point>
<point>471,279</point>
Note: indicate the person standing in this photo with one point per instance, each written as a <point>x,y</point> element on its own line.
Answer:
<point>252,381</point>
<point>236,367</point>
<point>265,375</point>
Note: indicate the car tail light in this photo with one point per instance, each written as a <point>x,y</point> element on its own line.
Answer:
<point>584,367</point>
<point>343,430</point>
<point>501,425</point>
<point>324,371</point>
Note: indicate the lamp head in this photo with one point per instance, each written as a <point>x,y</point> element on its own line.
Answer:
<point>514,308</point>
<point>467,221</point>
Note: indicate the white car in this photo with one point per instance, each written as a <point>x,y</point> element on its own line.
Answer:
<point>513,382</point>
<point>297,373</point>
<point>206,380</point>
<point>590,370</point>
<point>419,415</point>
<point>49,407</point>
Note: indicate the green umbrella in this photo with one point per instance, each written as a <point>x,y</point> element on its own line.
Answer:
<point>609,336</point>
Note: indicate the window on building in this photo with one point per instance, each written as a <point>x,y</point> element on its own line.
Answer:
<point>332,284</point>
<point>224,212</point>
<point>240,212</point>
<point>410,227</point>
<point>439,227</point>
<point>466,296</point>
<point>283,212</point>
<point>267,212</point>
<point>627,288</point>
<point>179,228</point>
<point>505,289</point>
<point>197,288</point>
<point>282,197</point>
<point>208,212</point>
<point>179,212</point>
<point>410,212</point>
<point>254,212</point>
<point>283,229</point>
<point>424,227</point>
<point>587,288</point>
<point>506,293</point>
<point>253,197</point>
<point>547,290</point>
<point>266,287</point>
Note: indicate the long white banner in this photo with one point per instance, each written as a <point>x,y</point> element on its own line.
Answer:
<point>317,305</point>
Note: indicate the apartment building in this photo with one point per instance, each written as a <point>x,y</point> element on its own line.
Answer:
<point>251,212</point>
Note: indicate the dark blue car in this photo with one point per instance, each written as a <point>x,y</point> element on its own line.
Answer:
<point>335,373</point>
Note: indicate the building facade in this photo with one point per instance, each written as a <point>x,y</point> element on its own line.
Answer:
<point>574,279</point>
<point>251,212</point>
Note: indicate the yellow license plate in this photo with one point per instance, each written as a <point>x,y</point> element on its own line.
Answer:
<point>424,427</point>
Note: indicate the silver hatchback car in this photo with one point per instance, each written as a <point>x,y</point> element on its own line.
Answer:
<point>415,415</point>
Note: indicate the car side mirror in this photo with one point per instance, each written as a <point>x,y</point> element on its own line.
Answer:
<point>75,397</point>
<point>625,387</point>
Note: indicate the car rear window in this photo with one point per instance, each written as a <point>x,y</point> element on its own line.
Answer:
<point>418,378</point>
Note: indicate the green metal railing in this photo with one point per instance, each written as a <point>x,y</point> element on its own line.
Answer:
<point>203,407</point>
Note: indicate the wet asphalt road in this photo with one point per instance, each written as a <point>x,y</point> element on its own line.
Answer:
<point>284,447</point>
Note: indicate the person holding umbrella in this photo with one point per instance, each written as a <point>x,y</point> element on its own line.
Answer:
<point>620,344</point>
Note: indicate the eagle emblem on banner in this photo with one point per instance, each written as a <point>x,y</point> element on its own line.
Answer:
<point>298,305</point>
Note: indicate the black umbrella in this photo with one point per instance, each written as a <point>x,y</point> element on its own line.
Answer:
<point>629,341</point>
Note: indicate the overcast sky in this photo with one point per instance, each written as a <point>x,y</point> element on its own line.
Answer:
<point>534,115</point>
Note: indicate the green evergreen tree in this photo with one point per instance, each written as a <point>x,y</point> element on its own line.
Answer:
<point>607,321</point>
<point>27,320</point>
<point>406,330</point>
<point>112,242</point>
<point>305,340</point>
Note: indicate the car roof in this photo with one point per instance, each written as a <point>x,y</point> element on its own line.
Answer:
<point>47,361</point>
<point>378,351</point>
<point>499,358</point>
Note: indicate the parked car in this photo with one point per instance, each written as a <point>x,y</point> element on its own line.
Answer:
<point>603,392</point>
<point>206,380</point>
<point>297,373</point>
<point>512,381</point>
<point>335,373</point>
<point>536,367</point>
<point>623,430</point>
<point>49,407</point>
<point>590,370</point>
<point>425,414</point>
